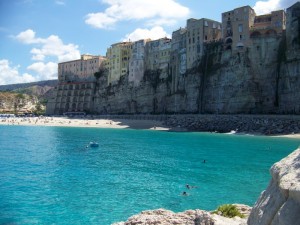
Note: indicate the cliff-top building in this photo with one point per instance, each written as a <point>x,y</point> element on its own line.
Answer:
<point>157,54</point>
<point>293,30</point>
<point>236,27</point>
<point>137,62</point>
<point>199,32</point>
<point>118,56</point>
<point>268,25</point>
<point>241,25</point>
<point>76,84</point>
<point>178,56</point>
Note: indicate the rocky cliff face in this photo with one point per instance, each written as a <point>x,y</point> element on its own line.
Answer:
<point>259,79</point>
<point>11,102</point>
<point>279,204</point>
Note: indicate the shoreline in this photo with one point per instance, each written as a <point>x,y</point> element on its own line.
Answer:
<point>114,123</point>
<point>85,122</point>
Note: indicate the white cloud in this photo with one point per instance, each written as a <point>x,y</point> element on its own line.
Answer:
<point>44,49</point>
<point>161,22</point>
<point>52,46</point>
<point>100,20</point>
<point>154,33</point>
<point>60,2</point>
<point>155,12</point>
<point>11,75</point>
<point>28,37</point>
<point>265,7</point>
<point>45,71</point>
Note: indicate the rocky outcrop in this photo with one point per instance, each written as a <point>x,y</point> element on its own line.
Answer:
<point>11,102</point>
<point>279,204</point>
<point>189,217</point>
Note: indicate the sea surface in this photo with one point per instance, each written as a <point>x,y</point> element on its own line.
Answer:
<point>48,176</point>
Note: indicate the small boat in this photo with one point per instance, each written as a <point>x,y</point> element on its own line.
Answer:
<point>94,144</point>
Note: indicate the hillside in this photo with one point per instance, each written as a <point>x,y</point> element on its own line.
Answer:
<point>42,89</point>
<point>13,87</point>
<point>26,97</point>
<point>17,103</point>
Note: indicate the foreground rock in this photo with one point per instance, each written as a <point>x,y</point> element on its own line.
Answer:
<point>280,203</point>
<point>189,217</point>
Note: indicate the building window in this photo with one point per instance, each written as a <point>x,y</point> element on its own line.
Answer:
<point>241,37</point>
<point>205,23</point>
<point>240,28</point>
<point>214,25</point>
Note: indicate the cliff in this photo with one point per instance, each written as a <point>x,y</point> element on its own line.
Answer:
<point>258,75</point>
<point>279,204</point>
<point>12,102</point>
<point>42,90</point>
<point>260,79</point>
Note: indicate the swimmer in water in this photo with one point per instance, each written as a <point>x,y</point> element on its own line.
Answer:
<point>190,187</point>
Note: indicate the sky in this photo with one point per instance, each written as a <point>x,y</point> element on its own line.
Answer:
<point>36,35</point>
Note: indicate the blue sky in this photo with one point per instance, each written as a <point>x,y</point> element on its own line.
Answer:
<point>37,34</point>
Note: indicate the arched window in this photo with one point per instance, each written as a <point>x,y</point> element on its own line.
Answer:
<point>255,34</point>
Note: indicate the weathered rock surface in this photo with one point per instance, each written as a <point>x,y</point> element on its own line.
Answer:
<point>258,124</point>
<point>189,217</point>
<point>280,203</point>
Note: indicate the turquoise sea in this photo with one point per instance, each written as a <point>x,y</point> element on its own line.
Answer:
<point>47,176</point>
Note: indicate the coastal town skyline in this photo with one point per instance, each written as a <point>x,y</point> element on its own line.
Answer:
<point>36,36</point>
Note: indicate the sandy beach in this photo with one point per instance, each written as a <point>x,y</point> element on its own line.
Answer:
<point>84,122</point>
<point>103,123</point>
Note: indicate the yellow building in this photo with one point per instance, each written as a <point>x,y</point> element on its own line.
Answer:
<point>118,56</point>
